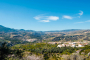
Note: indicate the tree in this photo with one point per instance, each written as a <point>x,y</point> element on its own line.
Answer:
<point>4,51</point>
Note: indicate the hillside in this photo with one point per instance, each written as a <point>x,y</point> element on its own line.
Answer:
<point>27,35</point>
<point>5,29</point>
<point>74,36</point>
<point>69,38</point>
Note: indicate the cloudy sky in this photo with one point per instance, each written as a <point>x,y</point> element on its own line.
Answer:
<point>45,15</point>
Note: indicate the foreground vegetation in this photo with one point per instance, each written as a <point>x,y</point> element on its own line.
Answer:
<point>42,51</point>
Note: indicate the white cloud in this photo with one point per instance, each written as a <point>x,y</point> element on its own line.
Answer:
<point>53,18</point>
<point>44,21</point>
<point>46,18</point>
<point>81,13</point>
<point>67,17</point>
<point>87,21</point>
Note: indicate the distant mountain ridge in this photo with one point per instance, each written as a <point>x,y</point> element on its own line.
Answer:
<point>6,29</point>
<point>68,30</point>
<point>67,35</point>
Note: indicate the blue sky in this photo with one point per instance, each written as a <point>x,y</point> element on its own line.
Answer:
<point>45,15</point>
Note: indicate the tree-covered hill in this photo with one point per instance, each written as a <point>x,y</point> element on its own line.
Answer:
<point>68,38</point>
<point>6,29</point>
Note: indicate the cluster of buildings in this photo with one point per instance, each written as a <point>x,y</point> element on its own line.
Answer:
<point>71,44</point>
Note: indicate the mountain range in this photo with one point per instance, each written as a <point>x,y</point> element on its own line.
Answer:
<point>15,36</point>
<point>6,29</point>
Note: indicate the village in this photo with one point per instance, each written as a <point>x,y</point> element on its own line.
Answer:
<point>71,44</point>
